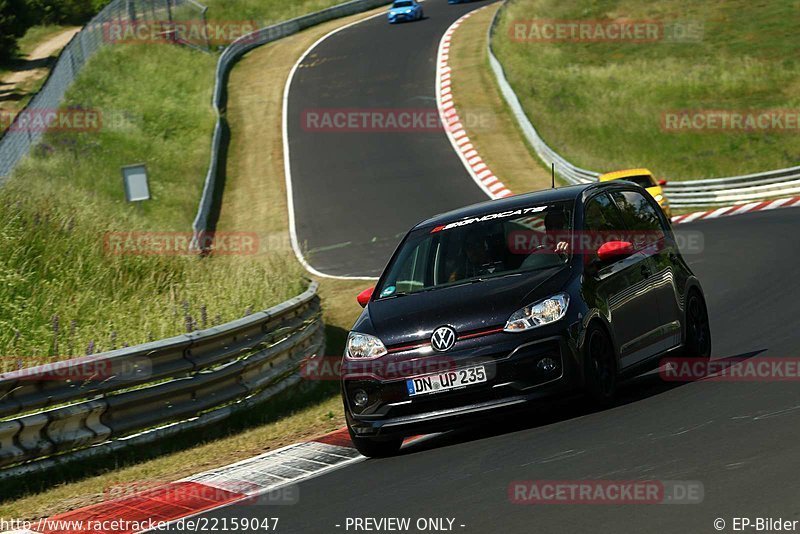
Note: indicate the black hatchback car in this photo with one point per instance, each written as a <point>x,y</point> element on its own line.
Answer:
<point>508,301</point>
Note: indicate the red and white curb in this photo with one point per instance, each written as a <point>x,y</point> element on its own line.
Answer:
<point>739,209</point>
<point>453,126</point>
<point>492,185</point>
<point>267,479</point>
<point>252,481</point>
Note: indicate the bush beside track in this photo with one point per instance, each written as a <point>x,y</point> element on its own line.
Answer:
<point>600,104</point>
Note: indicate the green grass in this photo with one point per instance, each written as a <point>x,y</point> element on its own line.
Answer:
<point>600,104</point>
<point>263,12</point>
<point>61,292</point>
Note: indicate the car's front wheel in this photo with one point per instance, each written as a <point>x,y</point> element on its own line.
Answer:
<point>600,365</point>
<point>374,448</point>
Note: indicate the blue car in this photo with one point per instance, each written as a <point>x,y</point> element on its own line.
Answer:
<point>404,10</point>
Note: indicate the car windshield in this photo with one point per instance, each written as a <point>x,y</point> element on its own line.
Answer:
<point>403,4</point>
<point>642,179</point>
<point>481,247</point>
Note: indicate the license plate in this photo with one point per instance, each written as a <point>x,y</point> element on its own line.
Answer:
<point>445,381</point>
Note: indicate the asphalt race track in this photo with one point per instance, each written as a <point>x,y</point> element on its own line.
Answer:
<point>357,192</point>
<point>740,440</point>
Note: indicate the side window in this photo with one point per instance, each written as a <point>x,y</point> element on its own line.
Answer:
<point>638,214</point>
<point>410,276</point>
<point>601,215</point>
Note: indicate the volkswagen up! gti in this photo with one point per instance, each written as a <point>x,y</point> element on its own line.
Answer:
<point>508,301</point>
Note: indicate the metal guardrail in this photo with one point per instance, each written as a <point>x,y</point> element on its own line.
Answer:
<point>216,168</point>
<point>171,382</point>
<point>16,142</point>
<point>682,194</point>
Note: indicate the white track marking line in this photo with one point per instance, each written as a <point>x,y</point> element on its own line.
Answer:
<point>287,167</point>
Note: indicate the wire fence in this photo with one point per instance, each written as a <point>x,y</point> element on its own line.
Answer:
<point>119,22</point>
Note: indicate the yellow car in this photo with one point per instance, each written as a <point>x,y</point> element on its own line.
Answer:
<point>644,178</point>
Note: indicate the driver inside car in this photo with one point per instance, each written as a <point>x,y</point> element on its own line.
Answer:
<point>476,258</point>
<point>555,222</point>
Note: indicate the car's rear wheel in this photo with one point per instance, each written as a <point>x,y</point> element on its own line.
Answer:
<point>600,365</point>
<point>698,331</point>
<point>375,448</point>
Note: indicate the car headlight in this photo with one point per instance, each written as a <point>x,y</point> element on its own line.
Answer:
<point>408,11</point>
<point>364,347</point>
<point>543,312</point>
<point>659,198</point>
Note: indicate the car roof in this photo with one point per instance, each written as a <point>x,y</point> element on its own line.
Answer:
<point>545,196</point>
<point>626,173</point>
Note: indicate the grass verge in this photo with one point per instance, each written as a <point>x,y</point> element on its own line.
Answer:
<point>64,292</point>
<point>64,295</point>
<point>600,104</point>
<point>254,200</point>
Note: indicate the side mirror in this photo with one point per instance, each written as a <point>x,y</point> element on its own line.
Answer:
<point>614,250</point>
<point>364,296</point>
<point>662,182</point>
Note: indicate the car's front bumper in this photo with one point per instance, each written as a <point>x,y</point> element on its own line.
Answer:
<point>401,17</point>
<point>513,378</point>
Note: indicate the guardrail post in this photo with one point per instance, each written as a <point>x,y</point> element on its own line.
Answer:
<point>9,451</point>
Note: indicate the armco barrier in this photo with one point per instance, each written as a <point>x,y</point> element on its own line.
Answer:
<point>176,382</point>
<point>682,194</point>
<point>203,221</point>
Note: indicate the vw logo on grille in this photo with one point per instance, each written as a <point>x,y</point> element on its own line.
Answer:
<point>443,338</point>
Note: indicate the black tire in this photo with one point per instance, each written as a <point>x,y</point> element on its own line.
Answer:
<point>698,331</point>
<point>600,364</point>
<point>373,448</point>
